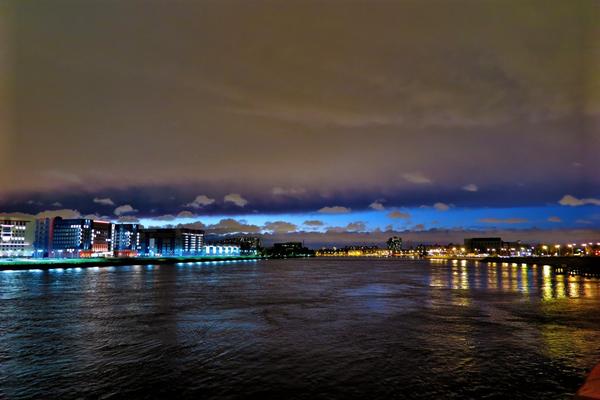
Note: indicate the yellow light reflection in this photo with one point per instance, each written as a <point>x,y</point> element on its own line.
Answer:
<point>492,278</point>
<point>573,288</point>
<point>524,279</point>
<point>561,288</point>
<point>547,282</point>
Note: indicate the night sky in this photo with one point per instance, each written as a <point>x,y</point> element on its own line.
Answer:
<point>325,121</point>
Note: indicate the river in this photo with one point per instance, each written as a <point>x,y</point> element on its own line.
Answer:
<point>298,328</point>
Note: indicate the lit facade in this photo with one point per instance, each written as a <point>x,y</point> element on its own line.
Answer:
<point>16,237</point>
<point>171,242</point>
<point>126,239</point>
<point>222,250</point>
<point>248,245</point>
<point>102,234</point>
<point>44,231</point>
<point>354,251</point>
<point>74,238</point>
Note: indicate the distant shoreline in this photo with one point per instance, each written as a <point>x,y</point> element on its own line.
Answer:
<point>571,263</point>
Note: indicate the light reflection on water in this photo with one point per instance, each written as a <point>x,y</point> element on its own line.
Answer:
<point>514,278</point>
<point>298,328</point>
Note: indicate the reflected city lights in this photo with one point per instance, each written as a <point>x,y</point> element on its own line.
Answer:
<point>513,277</point>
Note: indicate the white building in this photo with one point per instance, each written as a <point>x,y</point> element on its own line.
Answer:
<point>16,237</point>
<point>222,250</point>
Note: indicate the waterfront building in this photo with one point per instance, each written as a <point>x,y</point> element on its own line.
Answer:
<point>288,246</point>
<point>16,237</point>
<point>249,245</point>
<point>222,250</point>
<point>171,242</point>
<point>483,244</point>
<point>354,251</point>
<point>44,232</point>
<point>495,246</point>
<point>126,240</point>
<point>102,234</point>
<point>289,249</point>
<point>74,238</point>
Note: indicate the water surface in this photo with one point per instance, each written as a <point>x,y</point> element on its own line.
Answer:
<point>303,328</point>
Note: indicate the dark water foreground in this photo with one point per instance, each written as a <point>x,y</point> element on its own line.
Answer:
<point>303,328</point>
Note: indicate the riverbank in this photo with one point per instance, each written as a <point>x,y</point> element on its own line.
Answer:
<point>46,264</point>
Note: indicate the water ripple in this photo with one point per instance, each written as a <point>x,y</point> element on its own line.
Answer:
<point>303,329</point>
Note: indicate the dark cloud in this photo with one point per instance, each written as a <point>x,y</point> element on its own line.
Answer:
<point>442,206</point>
<point>416,177</point>
<point>64,213</point>
<point>293,192</point>
<point>127,219</point>
<point>230,225</point>
<point>156,200</point>
<point>124,209</point>
<point>377,205</point>
<point>213,91</point>
<point>166,217</point>
<point>235,198</point>
<point>358,226</point>
<point>313,222</point>
<point>193,225</point>
<point>200,201</point>
<point>280,227</point>
<point>471,187</point>
<point>233,107</point>
<point>398,214</point>
<point>107,201</point>
<point>568,200</point>
<point>334,210</point>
